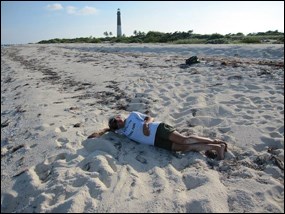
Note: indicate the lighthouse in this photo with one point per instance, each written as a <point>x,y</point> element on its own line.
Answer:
<point>119,29</point>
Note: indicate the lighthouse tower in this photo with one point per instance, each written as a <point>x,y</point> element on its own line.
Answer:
<point>119,29</point>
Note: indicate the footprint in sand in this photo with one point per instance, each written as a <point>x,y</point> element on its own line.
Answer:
<point>224,129</point>
<point>61,141</point>
<point>141,159</point>
<point>101,163</point>
<point>192,180</point>
<point>42,127</point>
<point>61,129</point>
<point>205,121</point>
<point>45,169</point>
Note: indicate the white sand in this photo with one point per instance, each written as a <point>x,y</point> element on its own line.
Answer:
<point>236,94</point>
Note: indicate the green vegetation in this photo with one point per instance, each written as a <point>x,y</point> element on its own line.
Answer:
<point>272,37</point>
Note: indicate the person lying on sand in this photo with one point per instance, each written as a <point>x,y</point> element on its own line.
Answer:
<point>143,129</point>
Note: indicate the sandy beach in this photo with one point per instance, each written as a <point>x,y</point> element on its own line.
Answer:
<point>54,96</point>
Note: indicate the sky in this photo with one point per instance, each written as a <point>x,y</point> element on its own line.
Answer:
<point>25,22</point>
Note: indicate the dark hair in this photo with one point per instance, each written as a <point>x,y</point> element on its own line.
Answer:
<point>113,123</point>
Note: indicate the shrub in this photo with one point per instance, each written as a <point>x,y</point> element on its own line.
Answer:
<point>217,41</point>
<point>250,39</point>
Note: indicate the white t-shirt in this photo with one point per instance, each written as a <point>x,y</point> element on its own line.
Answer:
<point>133,129</point>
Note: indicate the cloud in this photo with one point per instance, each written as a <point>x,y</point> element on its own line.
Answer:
<point>88,11</point>
<point>54,7</point>
<point>84,11</point>
<point>71,10</point>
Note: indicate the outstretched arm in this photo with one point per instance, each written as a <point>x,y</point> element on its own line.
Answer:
<point>99,133</point>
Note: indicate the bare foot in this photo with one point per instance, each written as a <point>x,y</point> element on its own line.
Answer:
<point>217,141</point>
<point>221,152</point>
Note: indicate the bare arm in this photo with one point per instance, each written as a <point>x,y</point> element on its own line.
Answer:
<point>99,133</point>
<point>146,130</point>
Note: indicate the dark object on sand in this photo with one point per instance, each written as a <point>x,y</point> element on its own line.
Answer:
<point>211,154</point>
<point>192,60</point>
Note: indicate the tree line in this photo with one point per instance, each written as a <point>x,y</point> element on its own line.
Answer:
<point>179,37</point>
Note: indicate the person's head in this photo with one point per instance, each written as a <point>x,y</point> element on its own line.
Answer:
<point>116,122</point>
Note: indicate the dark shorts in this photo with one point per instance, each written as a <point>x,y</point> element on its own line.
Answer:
<point>162,136</point>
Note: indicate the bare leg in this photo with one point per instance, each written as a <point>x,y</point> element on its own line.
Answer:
<point>219,148</point>
<point>178,138</point>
